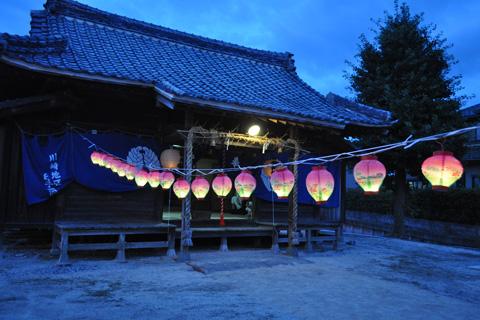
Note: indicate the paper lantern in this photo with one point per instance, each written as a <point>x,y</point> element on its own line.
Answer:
<point>181,188</point>
<point>442,170</point>
<point>122,167</point>
<point>369,174</point>
<point>245,184</point>
<point>107,161</point>
<point>320,184</point>
<point>130,171</point>
<point>200,187</point>
<point>94,157</point>
<point>166,179</point>
<point>100,159</point>
<point>170,158</point>
<point>141,178</point>
<point>222,185</point>
<point>154,178</point>
<point>282,181</point>
<point>114,164</point>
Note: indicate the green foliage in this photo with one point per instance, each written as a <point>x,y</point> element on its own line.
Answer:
<point>457,205</point>
<point>405,70</point>
<point>378,203</point>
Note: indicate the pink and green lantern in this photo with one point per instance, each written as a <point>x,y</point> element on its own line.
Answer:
<point>122,167</point>
<point>100,159</point>
<point>141,178</point>
<point>166,179</point>
<point>282,182</point>
<point>369,174</point>
<point>181,187</point>
<point>130,171</point>
<point>222,185</point>
<point>320,184</point>
<point>154,178</point>
<point>94,157</point>
<point>442,170</point>
<point>114,165</point>
<point>107,161</point>
<point>245,184</point>
<point>200,187</point>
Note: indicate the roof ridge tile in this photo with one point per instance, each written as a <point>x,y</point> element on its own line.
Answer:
<point>85,12</point>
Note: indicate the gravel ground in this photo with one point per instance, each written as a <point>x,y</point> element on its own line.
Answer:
<point>377,278</point>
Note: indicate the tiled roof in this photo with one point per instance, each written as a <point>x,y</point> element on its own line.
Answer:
<point>70,36</point>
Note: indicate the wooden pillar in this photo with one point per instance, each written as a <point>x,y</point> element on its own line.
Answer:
<point>3,184</point>
<point>186,235</point>
<point>293,203</point>
<point>343,193</point>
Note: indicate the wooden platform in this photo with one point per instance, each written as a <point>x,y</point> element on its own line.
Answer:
<point>64,230</point>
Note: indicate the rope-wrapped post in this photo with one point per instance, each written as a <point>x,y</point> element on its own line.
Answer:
<point>186,237</point>
<point>293,213</point>
<point>222,221</point>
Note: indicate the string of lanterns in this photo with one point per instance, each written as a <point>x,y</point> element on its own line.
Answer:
<point>441,170</point>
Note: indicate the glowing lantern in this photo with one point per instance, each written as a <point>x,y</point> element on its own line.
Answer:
<point>166,179</point>
<point>222,185</point>
<point>141,178</point>
<point>170,158</point>
<point>181,188</point>
<point>200,187</point>
<point>442,170</point>
<point>114,164</point>
<point>94,157</point>
<point>154,178</point>
<point>130,171</point>
<point>100,159</point>
<point>282,181</point>
<point>369,174</point>
<point>245,184</point>
<point>320,184</point>
<point>107,161</point>
<point>122,167</point>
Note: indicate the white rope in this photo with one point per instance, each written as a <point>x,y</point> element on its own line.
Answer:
<point>408,143</point>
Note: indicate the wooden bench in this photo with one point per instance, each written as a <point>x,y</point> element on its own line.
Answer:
<point>64,230</point>
<point>224,232</point>
<point>313,232</point>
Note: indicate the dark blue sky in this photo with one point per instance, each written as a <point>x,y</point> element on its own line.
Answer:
<point>321,34</point>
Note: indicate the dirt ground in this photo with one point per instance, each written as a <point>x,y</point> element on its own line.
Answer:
<point>377,278</point>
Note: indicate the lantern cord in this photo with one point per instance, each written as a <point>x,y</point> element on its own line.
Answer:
<point>169,201</point>
<point>408,143</point>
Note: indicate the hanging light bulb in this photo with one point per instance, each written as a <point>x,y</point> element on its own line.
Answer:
<point>282,181</point>
<point>166,179</point>
<point>369,174</point>
<point>245,184</point>
<point>222,185</point>
<point>320,184</point>
<point>200,187</point>
<point>181,187</point>
<point>154,178</point>
<point>130,171</point>
<point>141,178</point>
<point>442,170</point>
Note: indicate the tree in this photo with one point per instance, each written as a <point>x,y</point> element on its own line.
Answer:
<point>405,70</point>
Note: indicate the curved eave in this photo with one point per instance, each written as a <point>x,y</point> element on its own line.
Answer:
<point>170,99</point>
<point>71,74</point>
